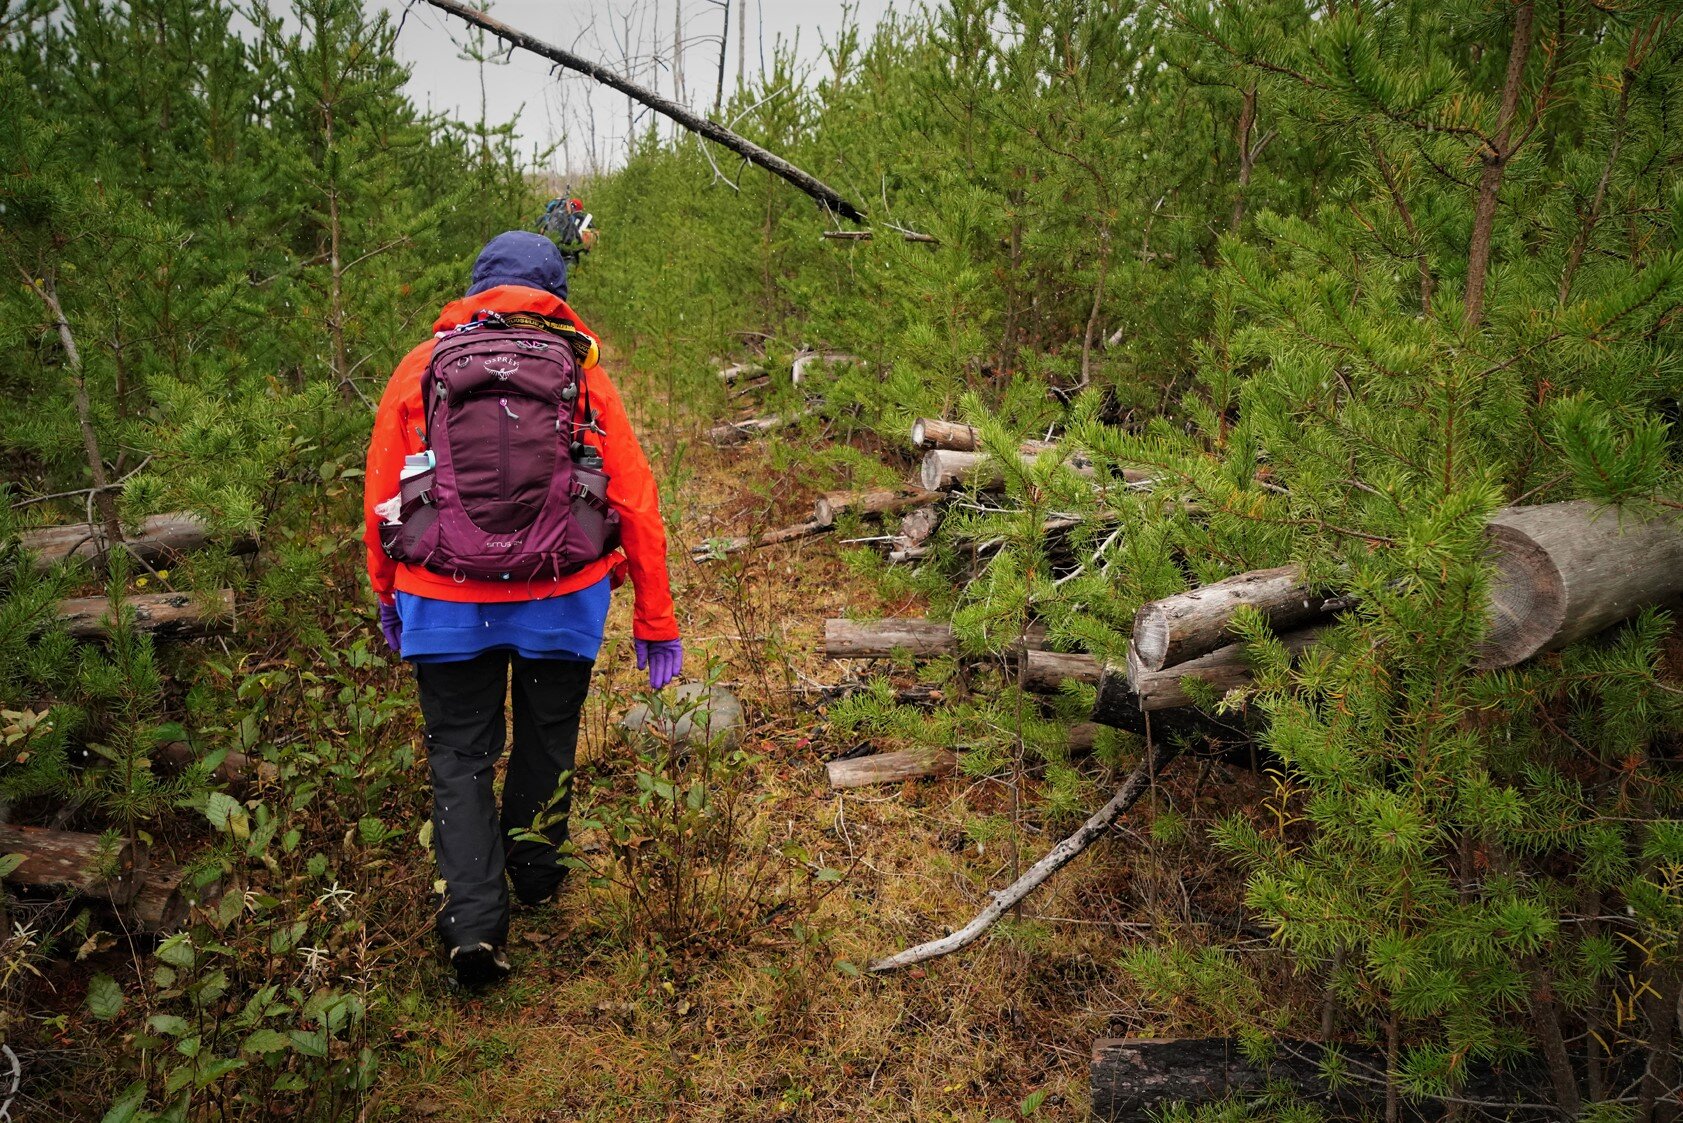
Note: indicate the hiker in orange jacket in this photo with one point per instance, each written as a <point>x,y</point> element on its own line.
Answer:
<point>462,634</point>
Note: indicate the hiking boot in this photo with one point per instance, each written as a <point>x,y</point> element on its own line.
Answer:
<point>479,965</point>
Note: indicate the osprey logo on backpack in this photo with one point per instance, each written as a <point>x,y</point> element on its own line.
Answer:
<point>515,493</point>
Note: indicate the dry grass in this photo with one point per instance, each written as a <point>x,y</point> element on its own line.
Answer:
<point>785,1026</point>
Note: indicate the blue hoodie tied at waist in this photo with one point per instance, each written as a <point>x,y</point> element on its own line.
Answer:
<point>563,627</point>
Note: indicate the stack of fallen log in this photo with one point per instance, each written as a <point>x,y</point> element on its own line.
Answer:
<point>150,896</point>
<point>747,377</point>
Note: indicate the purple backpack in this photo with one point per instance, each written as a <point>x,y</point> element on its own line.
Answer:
<point>514,493</point>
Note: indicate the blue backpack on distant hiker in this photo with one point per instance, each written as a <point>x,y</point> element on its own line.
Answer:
<point>513,492</point>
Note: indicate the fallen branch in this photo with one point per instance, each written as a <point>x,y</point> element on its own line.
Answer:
<point>1137,784</point>
<point>803,361</point>
<point>715,548</point>
<point>735,432</point>
<point>826,195</point>
<point>865,236</point>
<point>1187,625</point>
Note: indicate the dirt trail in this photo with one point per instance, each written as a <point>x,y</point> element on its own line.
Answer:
<point>781,1024</point>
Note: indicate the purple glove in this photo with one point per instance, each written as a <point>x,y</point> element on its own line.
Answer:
<point>392,626</point>
<point>663,657</point>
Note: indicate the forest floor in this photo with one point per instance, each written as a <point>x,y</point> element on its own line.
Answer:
<point>781,1022</point>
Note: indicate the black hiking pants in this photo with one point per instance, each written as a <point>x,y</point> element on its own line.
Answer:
<point>462,704</point>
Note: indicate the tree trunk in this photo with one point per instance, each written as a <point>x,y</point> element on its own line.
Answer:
<point>104,501</point>
<point>882,502</point>
<point>890,768</point>
<point>73,861</point>
<point>1247,156</point>
<point>1494,157</point>
<point>1182,627</point>
<point>162,538</point>
<point>1567,570</point>
<point>672,109</point>
<point>165,616</point>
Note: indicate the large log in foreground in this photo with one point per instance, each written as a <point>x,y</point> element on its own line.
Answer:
<point>1567,570</point>
<point>1182,627</point>
<point>166,616</point>
<point>160,539</point>
<point>71,860</point>
<point>1136,785</point>
<point>1137,1079</point>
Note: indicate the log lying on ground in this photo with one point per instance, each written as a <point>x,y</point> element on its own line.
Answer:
<point>160,539</point>
<point>890,768</point>
<point>715,548</point>
<point>1187,625</point>
<point>804,361</point>
<point>1132,687</point>
<point>735,432</point>
<point>1567,570</point>
<point>1045,672</point>
<point>943,469</point>
<point>737,371</point>
<point>166,896</point>
<point>877,639</point>
<point>885,501</point>
<point>924,639</point>
<point>237,770</point>
<point>1136,785</point>
<point>1136,1079</point>
<point>935,432</point>
<point>166,616</point>
<point>71,860</point>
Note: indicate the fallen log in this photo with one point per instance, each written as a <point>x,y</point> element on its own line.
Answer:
<point>735,432</point>
<point>166,897</point>
<point>804,361</point>
<point>1187,625</point>
<point>886,501</point>
<point>736,371</point>
<point>165,616</point>
<point>715,548</point>
<point>944,469</point>
<point>865,236</point>
<point>1045,672</point>
<point>71,860</point>
<point>900,554</point>
<point>1136,1079</point>
<point>1223,669</point>
<point>878,639</point>
<point>918,527</point>
<point>1137,784</point>
<point>935,432</point>
<point>890,768</point>
<point>1567,570</point>
<point>160,539</point>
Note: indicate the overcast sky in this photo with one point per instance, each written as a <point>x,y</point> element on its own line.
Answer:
<point>588,121</point>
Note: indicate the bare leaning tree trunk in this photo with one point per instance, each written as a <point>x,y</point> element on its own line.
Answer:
<point>104,501</point>
<point>1495,157</point>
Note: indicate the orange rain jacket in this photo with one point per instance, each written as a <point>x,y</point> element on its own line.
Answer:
<point>631,485</point>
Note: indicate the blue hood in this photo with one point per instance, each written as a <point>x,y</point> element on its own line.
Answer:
<point>520,257</point>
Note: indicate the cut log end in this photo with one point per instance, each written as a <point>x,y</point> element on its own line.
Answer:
<point>1527,600</point>
<point>1151,636</point>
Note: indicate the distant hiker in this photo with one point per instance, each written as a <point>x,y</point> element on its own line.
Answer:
<point>505,496</point>
<point>569,226</point>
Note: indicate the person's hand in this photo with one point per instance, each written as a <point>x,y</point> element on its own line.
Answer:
<point>391,626</point>
<point>664,659</point>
